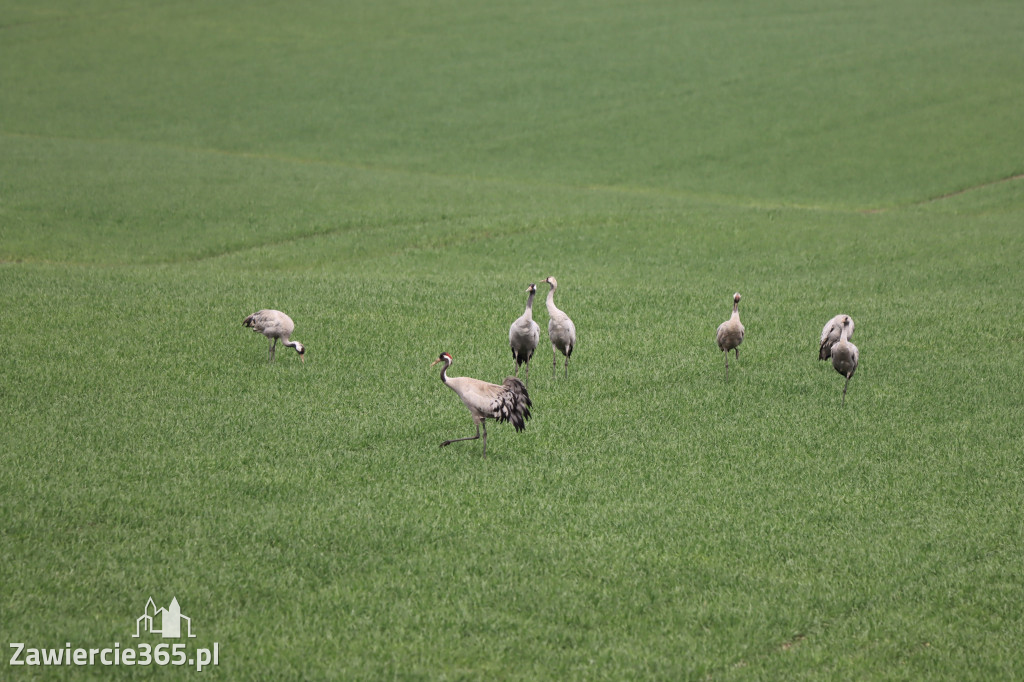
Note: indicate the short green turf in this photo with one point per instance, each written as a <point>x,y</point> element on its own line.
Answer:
<point>393,175</point>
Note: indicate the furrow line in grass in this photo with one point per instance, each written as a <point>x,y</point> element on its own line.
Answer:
<point>469,238</point>
<point>1013,177</point>
<point>965,190</point>
<point>242,248</point>
<point>711,198</point>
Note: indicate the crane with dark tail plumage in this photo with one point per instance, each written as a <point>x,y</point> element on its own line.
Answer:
<point>523,336</point>
<point>508,402</point>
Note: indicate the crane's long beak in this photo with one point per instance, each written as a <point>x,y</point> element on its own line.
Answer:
<point>435,362</point>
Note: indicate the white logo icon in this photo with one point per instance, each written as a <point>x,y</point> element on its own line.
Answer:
<point>164,622</point>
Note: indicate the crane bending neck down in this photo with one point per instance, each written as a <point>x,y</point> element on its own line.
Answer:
<point>275,325</point>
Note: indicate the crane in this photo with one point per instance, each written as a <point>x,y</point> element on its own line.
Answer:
<point>730,333</point>
<point>561,331</point>
<point>275,325</point>
<point>523,336</point>
<point>830,335</point>
<point>845,355</point>
<point>508,402</point>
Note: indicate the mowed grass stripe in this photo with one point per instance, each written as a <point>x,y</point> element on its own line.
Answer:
<point>223,201</point>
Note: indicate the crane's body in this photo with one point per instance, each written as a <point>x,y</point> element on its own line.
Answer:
<point>275,325</point>
<point>524,335</point>
<point>507,402</point>
<point>730,333</point>
<point>830,335</point>
<point>561,331</point>
<point>845,355</point>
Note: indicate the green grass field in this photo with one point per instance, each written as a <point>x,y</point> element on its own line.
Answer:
<point>393,175</point>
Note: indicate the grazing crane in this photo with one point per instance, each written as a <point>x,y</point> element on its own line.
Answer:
<point>561,331</point>
<point>523,336</point>
<point>845,355</point>
<point>830,334</point>
<point>275,325</point>
<point>508,402</point>
<point>730,333</point>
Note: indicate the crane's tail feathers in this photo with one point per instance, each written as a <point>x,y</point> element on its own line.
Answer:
<point>521,357</point>
<point>512,404</point>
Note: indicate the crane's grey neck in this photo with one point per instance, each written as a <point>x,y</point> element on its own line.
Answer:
<point>289,343</point>
<point>551,299</point>
<point>444,371</point>
<point>735,310</point>
<point>529,304</point>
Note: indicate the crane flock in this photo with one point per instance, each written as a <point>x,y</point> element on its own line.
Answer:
<point>510,401</point>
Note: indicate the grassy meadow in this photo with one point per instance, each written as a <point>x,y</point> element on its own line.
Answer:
<point>393,175</point>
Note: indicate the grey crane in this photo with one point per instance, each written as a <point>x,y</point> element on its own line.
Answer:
<point>508,402</point>
<point>523,336</point>
<point>730,333</point>
<point>275,325</point>
<point>830,335</point>
<point>561,331</point>
<point>845,355</point>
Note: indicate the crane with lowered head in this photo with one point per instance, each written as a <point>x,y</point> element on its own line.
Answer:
<point>275,325</point>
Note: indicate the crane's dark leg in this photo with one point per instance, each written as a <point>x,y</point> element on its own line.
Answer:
<point>737,353</point>
<point>726,364</point>
<point>273,346</point>
<point>484,424</point>
<point>566,366</point>
<point>456,440</point>
<point>554,362</point>
<point>845,386</point>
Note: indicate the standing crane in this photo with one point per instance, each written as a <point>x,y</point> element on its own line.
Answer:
<point>845,355</point>
<point>508,402</point>
<point>561,331</point>
<point>830,335</point>
<point>523,336</point>
<point>730,333</point>
<point>275,325</point>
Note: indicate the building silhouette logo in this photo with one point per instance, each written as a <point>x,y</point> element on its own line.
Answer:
<point>164,622</point>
